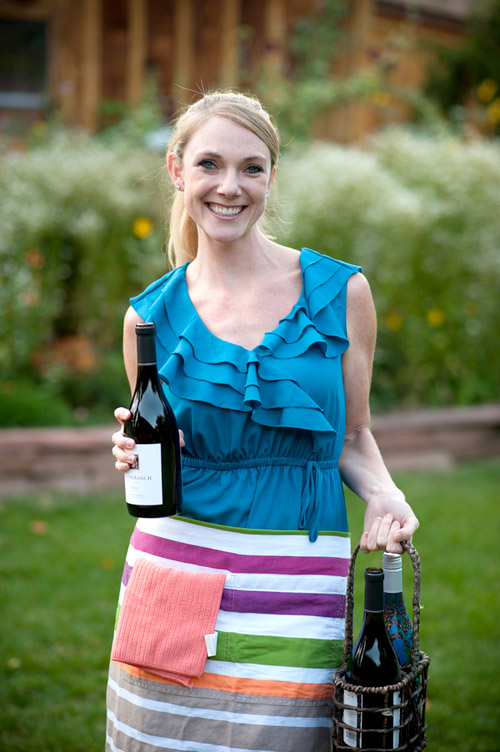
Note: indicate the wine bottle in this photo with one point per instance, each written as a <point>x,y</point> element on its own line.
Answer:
<point>397,620</point>
<point>372,663</point>
<point>153,487</point>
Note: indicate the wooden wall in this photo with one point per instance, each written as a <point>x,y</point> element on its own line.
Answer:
<point>102,50</point>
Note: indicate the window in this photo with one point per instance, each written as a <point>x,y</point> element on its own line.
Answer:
<point>23,66</point>
<point>451,11</point>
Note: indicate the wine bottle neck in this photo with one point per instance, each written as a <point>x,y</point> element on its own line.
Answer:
<point>393,581</point>
<point>146,350</point>
<point>393,573</point>
<point>374,597</point>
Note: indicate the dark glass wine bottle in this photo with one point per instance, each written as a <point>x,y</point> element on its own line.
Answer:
<point>397,620</point>
<point>373,663</point>
<point>154,487</point>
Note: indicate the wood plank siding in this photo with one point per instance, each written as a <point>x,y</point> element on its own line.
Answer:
<point>102,51</point>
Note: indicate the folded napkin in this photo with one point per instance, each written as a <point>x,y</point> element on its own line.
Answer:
<point>164,618</point>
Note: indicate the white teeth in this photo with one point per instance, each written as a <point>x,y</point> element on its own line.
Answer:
<point>226,211</point>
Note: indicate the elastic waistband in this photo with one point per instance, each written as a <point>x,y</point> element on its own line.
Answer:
<point>259,462</point>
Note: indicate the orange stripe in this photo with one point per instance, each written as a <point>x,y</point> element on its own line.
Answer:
<point>243,686</point>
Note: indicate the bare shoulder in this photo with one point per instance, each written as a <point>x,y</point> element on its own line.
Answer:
<point>131,319</point>
<point>360,313</point>
<point>129,344</point>
<point>285,257</point>
<point>358,290</point>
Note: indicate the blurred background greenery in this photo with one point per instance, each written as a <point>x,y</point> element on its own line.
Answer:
<point>83,226</point>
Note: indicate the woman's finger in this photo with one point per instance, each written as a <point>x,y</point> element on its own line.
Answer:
<point>122,414</point>
<point>372,534</point>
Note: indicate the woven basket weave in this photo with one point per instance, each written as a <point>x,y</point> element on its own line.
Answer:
<point>412,688</point>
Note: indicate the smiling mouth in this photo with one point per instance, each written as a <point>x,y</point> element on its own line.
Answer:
<point>228,212</point>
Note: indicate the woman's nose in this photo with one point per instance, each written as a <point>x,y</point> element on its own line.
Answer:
<point>229,184</point>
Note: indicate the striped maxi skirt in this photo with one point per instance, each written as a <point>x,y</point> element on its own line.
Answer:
<point>280,636</point>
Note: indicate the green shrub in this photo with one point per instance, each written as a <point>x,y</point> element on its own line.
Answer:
<point>71,247</point>
<point>23,406</point>
<point>83,228</point>
<point>420,214</point>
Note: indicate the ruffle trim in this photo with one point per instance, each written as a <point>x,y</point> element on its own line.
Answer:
<point>200,367</point>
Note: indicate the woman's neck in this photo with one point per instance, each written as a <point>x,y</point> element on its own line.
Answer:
<point>220,262</point>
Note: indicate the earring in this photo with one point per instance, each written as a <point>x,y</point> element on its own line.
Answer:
<point>178,186</point>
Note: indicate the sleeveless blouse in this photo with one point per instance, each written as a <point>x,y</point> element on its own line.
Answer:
<point>264,428</point>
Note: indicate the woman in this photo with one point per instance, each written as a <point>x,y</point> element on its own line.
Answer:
<point>266,354</point>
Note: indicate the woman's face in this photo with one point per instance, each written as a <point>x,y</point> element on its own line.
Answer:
<point>226,175</point>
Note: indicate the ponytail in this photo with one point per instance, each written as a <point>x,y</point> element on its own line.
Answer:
<point>183,237</point>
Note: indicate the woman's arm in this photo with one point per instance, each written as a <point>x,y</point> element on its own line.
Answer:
<point>388,518</point>
<point>123,446</point>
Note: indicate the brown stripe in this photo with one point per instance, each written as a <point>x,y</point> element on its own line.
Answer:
<point>220,733</point>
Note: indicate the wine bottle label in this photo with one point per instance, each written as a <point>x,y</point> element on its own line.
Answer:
<point>143,484</point>
<point>396,719</point>
<point>351,718</point>
<point>354,738</point>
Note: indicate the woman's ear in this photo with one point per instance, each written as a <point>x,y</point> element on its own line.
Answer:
<point>175,170</point>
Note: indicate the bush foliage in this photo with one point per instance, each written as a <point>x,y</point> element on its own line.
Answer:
<point>420,214</point>
<point>82,230</point>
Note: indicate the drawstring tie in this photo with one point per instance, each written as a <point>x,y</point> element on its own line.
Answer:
<point>313,495</point>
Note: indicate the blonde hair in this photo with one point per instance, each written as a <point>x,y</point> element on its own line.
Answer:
<point>242,109</point>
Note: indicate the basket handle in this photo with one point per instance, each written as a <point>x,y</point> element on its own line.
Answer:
<point>417,579</point>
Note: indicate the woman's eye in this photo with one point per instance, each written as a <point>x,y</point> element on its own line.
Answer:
<point>207,164</point>
<point>254,169</point>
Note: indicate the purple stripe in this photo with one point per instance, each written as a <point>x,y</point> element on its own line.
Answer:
<point>127,571</point>
<point>242,563</point>
<point>265,602</point>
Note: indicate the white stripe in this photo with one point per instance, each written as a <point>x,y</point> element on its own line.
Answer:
<point>278,625</point>
<point>246,543</point>
<point>174,744</point>
<point>218,715</point>
<point>264,673</point>
<point>110,742</point>
<point>281,583</point>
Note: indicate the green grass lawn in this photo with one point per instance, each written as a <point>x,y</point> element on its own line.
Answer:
<point>60,566</point>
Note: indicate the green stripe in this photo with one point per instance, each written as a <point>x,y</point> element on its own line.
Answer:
<point>255,531</point>
<point>296,652</point>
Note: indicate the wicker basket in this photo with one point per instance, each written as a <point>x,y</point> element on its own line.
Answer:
<point>412,689</point>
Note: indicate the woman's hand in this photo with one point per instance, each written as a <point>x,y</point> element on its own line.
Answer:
<point>123,450</point>
<point>123,446</point>
<point>387,523</point>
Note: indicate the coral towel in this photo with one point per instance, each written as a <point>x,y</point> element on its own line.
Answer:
<point>164,618</point>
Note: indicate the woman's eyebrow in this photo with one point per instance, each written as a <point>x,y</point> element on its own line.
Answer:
<point>215,155</point>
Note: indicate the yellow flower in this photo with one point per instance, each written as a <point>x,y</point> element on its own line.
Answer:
<point>381,98</point>
<point>493,112</point>
<point>435,317</point>
<point>487,90</point>
<point>39,127</point>
<point>394,321</point>
<point>143,227</point>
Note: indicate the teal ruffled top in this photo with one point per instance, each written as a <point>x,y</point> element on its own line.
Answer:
<point>264,428</point>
